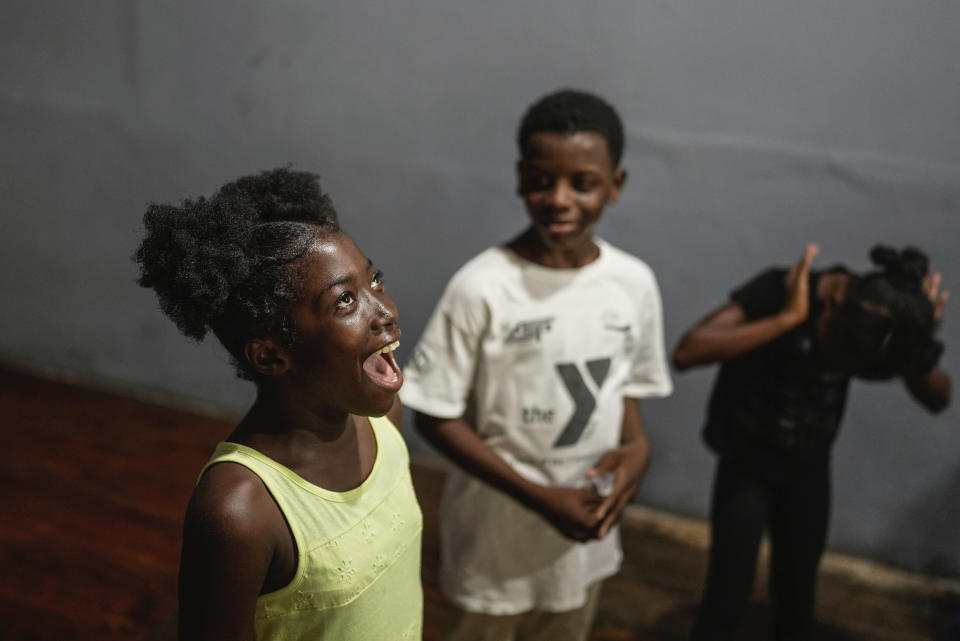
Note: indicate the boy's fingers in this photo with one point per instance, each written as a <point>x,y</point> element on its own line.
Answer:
<point>610,500</point>
<point>606,463</point>
<point>619,495</point>
<point>604,508</point>
<point>612,517</point>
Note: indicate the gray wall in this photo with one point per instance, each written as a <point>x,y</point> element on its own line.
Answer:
<point>753,128</point>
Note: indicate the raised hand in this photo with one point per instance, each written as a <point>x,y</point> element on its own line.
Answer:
<point>797,282</point>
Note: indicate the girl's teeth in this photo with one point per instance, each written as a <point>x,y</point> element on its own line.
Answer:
<point>388,348</point>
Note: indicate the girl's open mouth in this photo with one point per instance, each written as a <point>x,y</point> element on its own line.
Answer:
<point>382,367</point>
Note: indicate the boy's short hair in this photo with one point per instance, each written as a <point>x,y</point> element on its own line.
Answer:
<point>569,111</point>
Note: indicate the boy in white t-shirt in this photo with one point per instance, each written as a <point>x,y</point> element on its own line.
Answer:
<point>527,376</point>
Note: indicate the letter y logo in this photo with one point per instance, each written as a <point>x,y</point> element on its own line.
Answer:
<point>583,399</point>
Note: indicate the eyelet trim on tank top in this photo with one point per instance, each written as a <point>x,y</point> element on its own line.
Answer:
<point>351,553</point>
<point>304,484</point>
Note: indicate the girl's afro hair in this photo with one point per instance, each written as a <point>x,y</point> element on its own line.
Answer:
<point>221,263</point>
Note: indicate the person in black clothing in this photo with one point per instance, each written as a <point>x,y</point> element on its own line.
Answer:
<point>789,342</point>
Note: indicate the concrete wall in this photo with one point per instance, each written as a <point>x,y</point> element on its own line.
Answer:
<point>753,127</point>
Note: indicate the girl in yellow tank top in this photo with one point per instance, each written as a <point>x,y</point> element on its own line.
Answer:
<point>304,524</point>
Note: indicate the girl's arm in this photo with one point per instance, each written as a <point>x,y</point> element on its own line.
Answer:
<point>228,549</point>
<point>571,511</point>
<point>727,333</point>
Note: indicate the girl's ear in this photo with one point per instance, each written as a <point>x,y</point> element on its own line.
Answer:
<point>266,357</point>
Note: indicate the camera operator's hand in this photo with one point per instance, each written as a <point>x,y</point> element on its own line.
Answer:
<point>932,390</point>
<point>797,282</point>
<point>931,286</point>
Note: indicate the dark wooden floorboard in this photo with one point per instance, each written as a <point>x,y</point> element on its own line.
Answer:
<point>93,490</point>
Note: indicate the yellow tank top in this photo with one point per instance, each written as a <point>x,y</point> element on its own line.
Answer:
<point>358,570</point>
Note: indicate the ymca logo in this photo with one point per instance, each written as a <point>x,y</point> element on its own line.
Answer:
<point>583,399</point>
<point>529,330</point>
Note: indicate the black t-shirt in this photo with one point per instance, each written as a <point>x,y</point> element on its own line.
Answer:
<point>779,404</point>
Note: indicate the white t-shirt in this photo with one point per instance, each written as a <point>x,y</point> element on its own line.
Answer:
<point>538,360</point>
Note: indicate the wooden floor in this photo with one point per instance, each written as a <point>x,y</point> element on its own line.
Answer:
<point>93,489</point>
